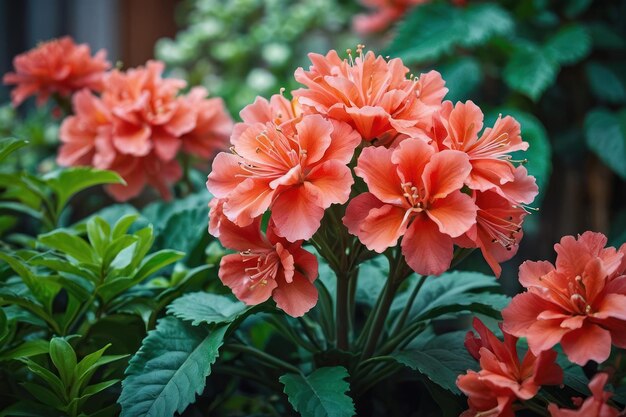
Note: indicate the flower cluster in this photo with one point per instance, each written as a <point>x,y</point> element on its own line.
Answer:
<point>594,406</point>
<point>503,378</point>
<point>580,302</point>
<point>433,178</point>
<point>57,66</point>
<point>137,127</point>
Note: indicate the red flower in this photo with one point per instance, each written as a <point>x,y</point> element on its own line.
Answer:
<point>57,66</point>
<point>580,303</point>
<point>385,13</point>
<point>502,377</point>
<point>265,266</point>
<point>414,192</point>
<point>594,406</point>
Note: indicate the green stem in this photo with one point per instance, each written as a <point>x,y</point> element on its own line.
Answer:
<point>264,357</point>
<point>342,307</point>
<point>409,304</point>
<point>381,317</point>
<point>290,334</point>
<point>309,333</point>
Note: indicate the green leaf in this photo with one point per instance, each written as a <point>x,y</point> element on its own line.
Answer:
<point>53,381</point>
<point>99,387</point>
<point>321,394</point>
<point>10,145</point>
<point>605,85</point>
<point>4,325</point>
<point>574,8</point>
<point>442,359</point>
<point>605,134</point>
<point>483,22</point>
<point>123,224</point>
<point>68,182</point>
<point>43,394</point>
<point>202,307</point>
<point>569,46</point>
<point>42,291</point>
<point>457,291</point>
<point>98,232</point>
<point>64,359</point>
<point>170,369</point>
<point>462,77</point>
<point>157,261</point>
<point>530,71</point>
<point>70,245</point>
<point>26,350</point>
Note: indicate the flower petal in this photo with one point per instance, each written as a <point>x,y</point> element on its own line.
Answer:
<point>426,250</point>
<point>454,214</point>
<point>590,342</point>
<point>446,172</point>
<point>296,213</point>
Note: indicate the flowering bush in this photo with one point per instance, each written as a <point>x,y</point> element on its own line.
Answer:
<point>329,282</point>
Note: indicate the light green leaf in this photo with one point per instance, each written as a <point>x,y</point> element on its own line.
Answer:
<point>10,145</point>
<point>68,182</point>
<point>170,369</point>
<point>321,394</point>
<point>70,245</point>
<point>98,232</point>
<point>442,359</point>
<point>157,261</point>
<point>530,71</point>
<point>605,85</point>
<point>64,359</point>
<point>605,134</point>
<point>202,307</point>
<point>570,45</point>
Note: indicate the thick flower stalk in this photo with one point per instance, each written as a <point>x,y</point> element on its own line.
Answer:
<point>503,378</point>
<point>138,126</point>
<point>58,67</point>
<point>580,302</point>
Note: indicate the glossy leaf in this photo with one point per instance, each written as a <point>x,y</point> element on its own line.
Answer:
<point>323,393</point>
<point>530,71</point>
<point>170,369</point>
<point>202,307</point>
<point>10,145</point>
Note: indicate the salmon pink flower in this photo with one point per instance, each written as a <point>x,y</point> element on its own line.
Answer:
<point>57,66</point>
<point>295,174</point>
<point>458,128</point>
<point>594,406</point>
<point>499,218</point>
<point>265,266</point>
<point>580,303</point>
<point>503,377</point>
<point>372,95</point>
<point>414,193</point>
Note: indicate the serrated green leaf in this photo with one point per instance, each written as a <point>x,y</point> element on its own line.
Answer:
<point>432,30</point>
<point>69,244</point>
<point>605,134</point>
<point>321,394</point>
<point>202,307</point>
<point>456,291</point>
<point>605,85</point>
<point>570,45</point>
<point>10,145</point>
<point>442,359</point>
<point>64,359</point>
<point>530,71</point>
<point>169,369</point>
<point>68,182</point>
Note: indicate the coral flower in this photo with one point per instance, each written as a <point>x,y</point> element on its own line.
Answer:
<point>372,95</point>
<point>580,303</point>
<point>297,175</point>
<point>503,377</point>
<point>265,266</point>
<point>458,128</point>
<point>385,13</point>
<point>413,192</point>
<point>499,218</point>
<point>594,406</point>
<point>57,66</point>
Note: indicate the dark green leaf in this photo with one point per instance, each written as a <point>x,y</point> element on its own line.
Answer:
<point>42,290</point>
<point>605,133</point>
<point>43,394</point>
<point>605,85</point>
<point>570,45</point>
<point>530,71</point>
<point>10,145</point>
<point>573,8</point>
<point>202,307</point>
<point>321,394</point>
<point>26,350</point>
<point>157,261</point>
<point>483,22</point>
<point>170,369</point>
<point>462,77</point>
<point>442,359</point>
